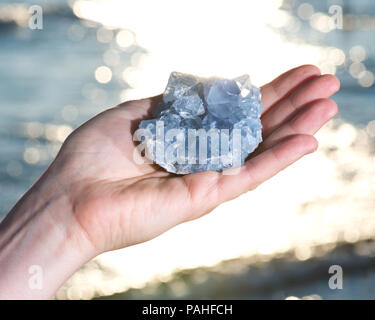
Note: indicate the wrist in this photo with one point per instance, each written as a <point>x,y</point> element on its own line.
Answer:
<point>40,234</point>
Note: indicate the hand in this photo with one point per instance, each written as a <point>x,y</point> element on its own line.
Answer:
<point>109,202</point>
<point>119,204</point>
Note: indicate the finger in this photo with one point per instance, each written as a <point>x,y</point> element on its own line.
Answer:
<point>320,87</point>
<point>206,190</point>
<point>285,83</point>
<point>139,109</point>
<point>271,92</point>
<point>266,165</point>
<point>308,121</point>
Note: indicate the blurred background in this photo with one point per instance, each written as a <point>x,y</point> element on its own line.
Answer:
<point>94,54</point>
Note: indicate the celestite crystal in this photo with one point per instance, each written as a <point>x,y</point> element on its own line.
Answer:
<point>204,124</point>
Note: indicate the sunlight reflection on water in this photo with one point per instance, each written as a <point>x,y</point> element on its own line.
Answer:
<point>238,39</point>
<point>317,205</point>
<point>323,199</point>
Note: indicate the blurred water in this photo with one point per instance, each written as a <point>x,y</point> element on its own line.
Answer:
<point>41,73</point>
<point>48,87</point>
<point>44,71</point>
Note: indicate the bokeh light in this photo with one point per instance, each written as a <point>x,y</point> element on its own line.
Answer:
<point>125,38</point>
<point>366,78</point>
<point>110,51</point>
<point>103,74</point>
<point>357,53</point>
<point>305,11</point>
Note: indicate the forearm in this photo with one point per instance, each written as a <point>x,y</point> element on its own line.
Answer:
<point>39,245</point>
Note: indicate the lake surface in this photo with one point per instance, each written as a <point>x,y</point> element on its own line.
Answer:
<point>48,87</point>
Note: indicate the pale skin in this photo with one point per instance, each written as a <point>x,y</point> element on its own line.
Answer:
<point>93,198</point>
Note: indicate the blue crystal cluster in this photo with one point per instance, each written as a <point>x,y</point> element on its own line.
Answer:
<point>227,107</point>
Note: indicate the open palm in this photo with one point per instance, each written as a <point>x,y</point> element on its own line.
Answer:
<point>117,203</point>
